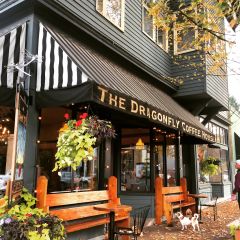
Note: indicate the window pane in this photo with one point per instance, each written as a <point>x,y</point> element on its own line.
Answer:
<point>158,157</point>
<point>113,11</point>
<point>224,162</point>
<point>135,160</point>
<point>162,38</point>
<point>185,39</point>
<point>99,6</point>
<point>147,23</point>
<point>86,175</point>
<point>171,165</point>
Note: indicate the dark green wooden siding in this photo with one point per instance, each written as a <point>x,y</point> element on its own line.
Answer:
<point>131,40</point>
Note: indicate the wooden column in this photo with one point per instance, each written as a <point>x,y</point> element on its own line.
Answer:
<point>183,184</point>
<point>41,190</point>
<point>158,200</point>
<point>112,189</point>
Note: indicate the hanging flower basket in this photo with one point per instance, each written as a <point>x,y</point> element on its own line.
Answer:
<point>210,166</point>
<point>77,139</point>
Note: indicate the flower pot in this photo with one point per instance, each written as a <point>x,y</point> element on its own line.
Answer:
<point>237,234</point>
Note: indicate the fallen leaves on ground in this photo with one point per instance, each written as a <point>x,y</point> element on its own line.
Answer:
<point>227,212</point>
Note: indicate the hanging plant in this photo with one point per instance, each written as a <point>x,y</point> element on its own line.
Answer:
<point>210,166</point>
<point>77,139</point>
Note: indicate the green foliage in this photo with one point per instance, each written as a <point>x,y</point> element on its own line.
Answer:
<point>233,102</point>
<point>233,228</point>
<point>77,139</point>
<point>209,166</point>
<point>21,221</point>
<point>180,18</point>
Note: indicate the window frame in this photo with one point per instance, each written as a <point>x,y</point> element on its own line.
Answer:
<point>175,32</point>
<point>165,40</point>
<point>103,13</point>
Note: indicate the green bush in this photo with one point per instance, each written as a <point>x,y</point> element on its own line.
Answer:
<point>22,221</point>
<point>233,228</point>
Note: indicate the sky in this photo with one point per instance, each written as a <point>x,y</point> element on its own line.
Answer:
<point>234,64</point>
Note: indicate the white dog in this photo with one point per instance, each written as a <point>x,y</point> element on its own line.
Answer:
<point>185,221</point>
<point>195,223</point>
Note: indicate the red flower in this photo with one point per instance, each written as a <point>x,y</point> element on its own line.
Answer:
<point>28,214</point>
<point>78,123</point>
<point>66,116</point>
<point>83,116</point>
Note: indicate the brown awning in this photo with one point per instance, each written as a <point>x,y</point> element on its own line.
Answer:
<point>108,83</point>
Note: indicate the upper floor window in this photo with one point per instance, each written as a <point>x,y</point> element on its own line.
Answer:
<point>113,10</point>
<point>160,36</point>
<point>219,132</point>
<point>184,39</point>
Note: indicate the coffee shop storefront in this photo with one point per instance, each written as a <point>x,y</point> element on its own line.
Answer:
<point>153,131</point>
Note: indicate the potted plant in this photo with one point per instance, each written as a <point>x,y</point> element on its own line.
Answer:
<point>210,166</point>
<point>235,230</point>
<point>22,221</point>
<point>77,139</point>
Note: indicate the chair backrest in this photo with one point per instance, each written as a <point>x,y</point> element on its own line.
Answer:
<point>139,218</point>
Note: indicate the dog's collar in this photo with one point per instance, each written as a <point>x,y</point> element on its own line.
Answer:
<point>182,217</point>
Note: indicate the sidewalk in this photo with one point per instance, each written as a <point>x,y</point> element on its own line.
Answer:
<point>228,212</point>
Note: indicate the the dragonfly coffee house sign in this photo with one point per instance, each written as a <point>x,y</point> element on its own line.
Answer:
<point>136,107</point>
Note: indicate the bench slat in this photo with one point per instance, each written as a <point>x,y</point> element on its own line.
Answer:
<point>68,214</point>
<point>174,198</point>
<point>60,199</point>
<point>172,190</point>
<point>89,224</point>
<point>182,205</point>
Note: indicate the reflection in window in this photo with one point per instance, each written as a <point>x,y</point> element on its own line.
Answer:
<point>147,22</point>
<point>86,175</point>
<point>135,160</point>
<point>162,38</point>
<point>184,39</point>
<point>113,10</point>
<point>158,157</point>
<point>85,178</point>
<point>171,165</point>
<point>225,163</point>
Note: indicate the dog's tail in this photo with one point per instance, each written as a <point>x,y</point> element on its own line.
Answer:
<point>196,215</point>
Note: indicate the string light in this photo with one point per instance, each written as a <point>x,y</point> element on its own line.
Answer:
<point>4,131</point>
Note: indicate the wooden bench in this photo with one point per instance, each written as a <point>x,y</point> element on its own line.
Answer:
<point>77,209</point>
<point>167,199</point>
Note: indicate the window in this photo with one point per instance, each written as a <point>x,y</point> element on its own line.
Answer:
<point>158,35</point>
<point>86,176</point>
<point>162,39</point>
<point>184,40</point>
<point>147,22</point>
<point>113,10</point>
<point>135,160</point>
<point>171,159</point>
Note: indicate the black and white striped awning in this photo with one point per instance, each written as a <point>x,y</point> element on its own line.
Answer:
<point>12,49</point>
<point>73,71</point>
<point>57,70</point>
